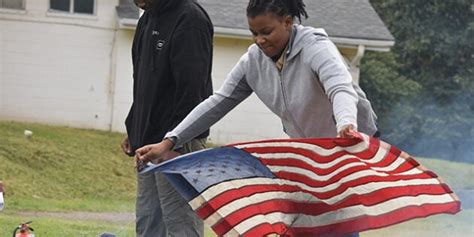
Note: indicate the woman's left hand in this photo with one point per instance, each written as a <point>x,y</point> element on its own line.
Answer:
<point>347,131</point>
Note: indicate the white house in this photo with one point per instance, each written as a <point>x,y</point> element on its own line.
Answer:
<point>67,62</point>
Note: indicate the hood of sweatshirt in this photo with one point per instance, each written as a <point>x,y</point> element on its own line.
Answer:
<point>300,38</point>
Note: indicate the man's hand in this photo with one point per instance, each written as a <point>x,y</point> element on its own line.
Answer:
<point>156,153</point>
<point>126,147</point>
<point>347,131</point>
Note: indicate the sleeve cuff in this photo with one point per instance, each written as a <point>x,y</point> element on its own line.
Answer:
<point>342,124</point>
<point>174,139</point>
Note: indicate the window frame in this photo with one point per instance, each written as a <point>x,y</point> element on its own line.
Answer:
<point>22,9</point>
<point>71,9</point>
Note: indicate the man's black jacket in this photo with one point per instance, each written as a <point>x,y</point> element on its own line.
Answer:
<point>172,59</point>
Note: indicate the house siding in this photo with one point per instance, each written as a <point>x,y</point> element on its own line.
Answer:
<point>250,120</point>
<point>123,88</point>
<point>55,68</point>
<point>52,73</point>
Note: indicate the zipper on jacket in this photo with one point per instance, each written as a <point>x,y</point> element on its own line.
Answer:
<point>280,74</point>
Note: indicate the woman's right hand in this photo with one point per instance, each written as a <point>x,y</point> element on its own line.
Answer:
<point>347,131</point>
<point>154,152</point>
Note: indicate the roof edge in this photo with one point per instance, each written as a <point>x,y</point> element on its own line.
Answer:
<point>232,32</point>
<point>370,44</point>
<point>235,33</point>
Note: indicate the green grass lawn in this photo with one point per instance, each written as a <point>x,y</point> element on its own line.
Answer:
<point>64,169</point>
<point>60,227</point>
<point>459,225</point>
<point>457,175</point>
<point>56,227</point>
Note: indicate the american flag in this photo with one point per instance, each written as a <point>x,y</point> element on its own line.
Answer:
<point>307,187</point>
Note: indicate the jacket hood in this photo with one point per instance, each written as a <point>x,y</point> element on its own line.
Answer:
<point>301,38</point>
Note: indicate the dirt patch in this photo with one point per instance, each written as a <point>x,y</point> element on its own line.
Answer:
<point>112,217</point>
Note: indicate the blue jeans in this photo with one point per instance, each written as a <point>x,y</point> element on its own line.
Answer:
<point>160,209</point>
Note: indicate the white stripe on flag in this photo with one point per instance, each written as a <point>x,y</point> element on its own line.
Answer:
<point>276,156</point>
<point>314,176</point>
<point>308,198</point>
<point>381,153</point>
<point>213,191</point>
<point>341,214</point>
<point>413,171</point>
<point>359,147</point>
<point>393,166</point>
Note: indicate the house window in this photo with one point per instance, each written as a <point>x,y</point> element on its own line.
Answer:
<point>13,4</point>
<point>73,6</point>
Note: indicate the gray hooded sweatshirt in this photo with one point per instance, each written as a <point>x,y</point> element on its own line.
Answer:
<point>313,95</point>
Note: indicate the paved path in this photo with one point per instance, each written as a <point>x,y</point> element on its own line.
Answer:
<point>118,218</point>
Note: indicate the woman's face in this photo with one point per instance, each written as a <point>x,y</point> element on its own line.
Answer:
<point>270,32</point>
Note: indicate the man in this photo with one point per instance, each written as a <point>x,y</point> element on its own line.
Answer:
<point>172,56</point>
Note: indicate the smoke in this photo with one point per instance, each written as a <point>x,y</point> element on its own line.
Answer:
<point>432,129</point>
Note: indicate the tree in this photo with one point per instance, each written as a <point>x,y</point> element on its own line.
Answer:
<point>433,48</point>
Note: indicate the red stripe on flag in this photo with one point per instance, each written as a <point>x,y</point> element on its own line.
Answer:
<point>326,143</point>
<point>290,162</point>
<point>317,208</point>
<point>335,179</point>
<point>389,158</point>
<point>286,147</point>
<point>234,194</point>
<point>375,222</point>
<point>357,225</point>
